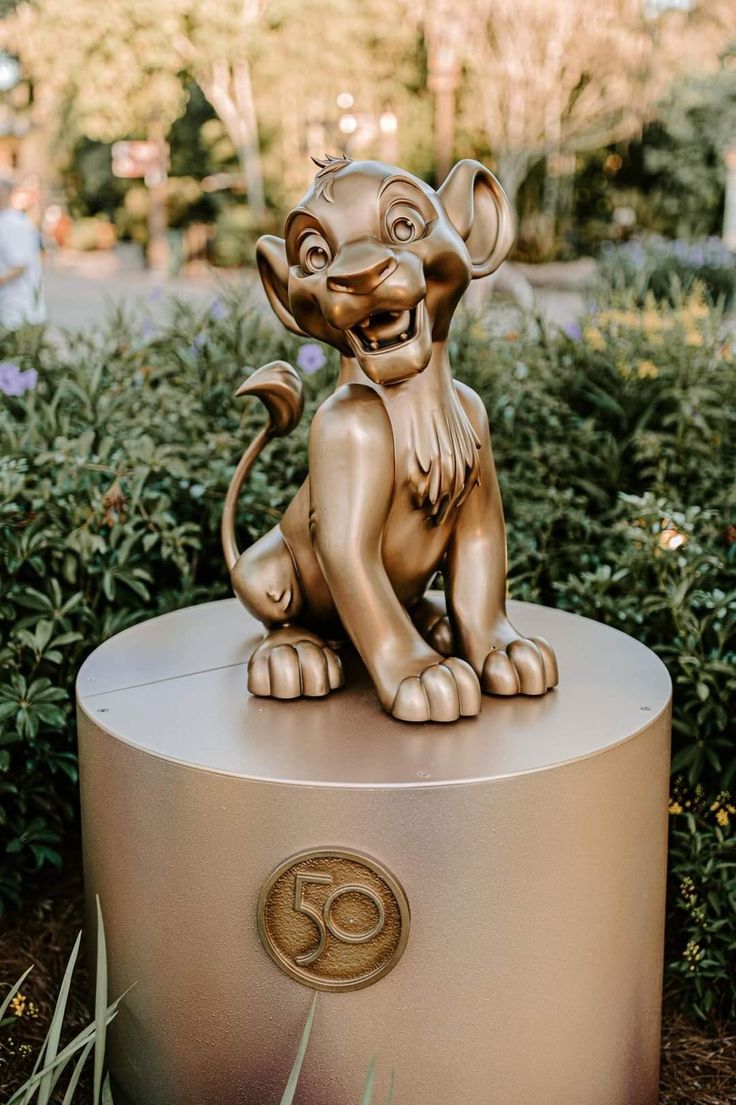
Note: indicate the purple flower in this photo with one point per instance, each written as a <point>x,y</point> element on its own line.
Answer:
<point>13,381</point>
<point>148,330</point>
<point>217,310</point>
<point>310,359</point>
<point>573,331</point>
<point>155,294</point>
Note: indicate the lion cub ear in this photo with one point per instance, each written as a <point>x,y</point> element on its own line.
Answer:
<point>273,268</point>
<point>478,208</point>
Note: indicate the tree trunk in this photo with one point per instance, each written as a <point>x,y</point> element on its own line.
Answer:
<point>249,151</point>
<point>230,92</point>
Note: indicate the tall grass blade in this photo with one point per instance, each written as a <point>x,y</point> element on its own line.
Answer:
<point>26,1092</point>
<point>290,1090</point>
<point>107,1092</point>
<point>52,1042</point>
<point>390,1098</point>
<point>77,1073</point>
<point>13,991</point>
<point>100,1006</point>
<point>367,1097</point>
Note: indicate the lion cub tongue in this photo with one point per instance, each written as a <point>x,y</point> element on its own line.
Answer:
<point>386,326</point>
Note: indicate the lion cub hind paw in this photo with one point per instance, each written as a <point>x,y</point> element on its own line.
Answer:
<point>442,692</point>
<point>292,669</point>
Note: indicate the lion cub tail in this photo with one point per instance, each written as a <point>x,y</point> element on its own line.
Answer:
<point>279,388</point>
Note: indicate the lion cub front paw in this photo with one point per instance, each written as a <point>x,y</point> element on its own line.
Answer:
<point>292,662</point>
<point>527,665</point>
<point>442,692</point>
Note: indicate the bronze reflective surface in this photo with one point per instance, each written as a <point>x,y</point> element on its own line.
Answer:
<point>176,688</point>
<point>530,842</point>
<point>402,483</point>
<point>333,919</point>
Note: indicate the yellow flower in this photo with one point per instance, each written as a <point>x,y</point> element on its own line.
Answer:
<point>647,370</point>
<point>651,320</point>
<point>693,337</point>
<point>594,337</point>
<point>18,1004</point>
<point>722,817</point>
<point>675,807</point>
<point>698,309</point>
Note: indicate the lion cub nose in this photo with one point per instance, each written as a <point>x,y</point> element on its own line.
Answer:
<point>358,271</point>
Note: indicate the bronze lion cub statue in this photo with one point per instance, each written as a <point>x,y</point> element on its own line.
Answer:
<point>402,483</point>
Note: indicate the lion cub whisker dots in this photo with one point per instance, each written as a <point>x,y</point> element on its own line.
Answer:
<point>402,483</point>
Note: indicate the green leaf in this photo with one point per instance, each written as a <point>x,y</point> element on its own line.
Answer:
<point>367,1096</point>
<point>100,1005</point>
<point>290,1090</point>
<point>54,1035</point>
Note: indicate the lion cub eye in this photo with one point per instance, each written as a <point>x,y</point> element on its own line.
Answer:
<point>404,223</point>
<point>314,253</point>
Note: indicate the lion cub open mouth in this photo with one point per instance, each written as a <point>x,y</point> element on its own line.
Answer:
<point>384,330</point>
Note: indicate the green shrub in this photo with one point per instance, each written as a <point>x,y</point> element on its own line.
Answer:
<point>616,451</point>
<point>703,902</point>
<point>668,267</point>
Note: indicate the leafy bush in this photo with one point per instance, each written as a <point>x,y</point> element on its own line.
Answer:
<point>667,268</point>
<point>703,902</point>
<point>615,448</point>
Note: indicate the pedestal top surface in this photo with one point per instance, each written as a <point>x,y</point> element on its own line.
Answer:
<point>175,687</point>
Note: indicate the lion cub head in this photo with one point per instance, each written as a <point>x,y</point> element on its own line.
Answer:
<point>374,261</point>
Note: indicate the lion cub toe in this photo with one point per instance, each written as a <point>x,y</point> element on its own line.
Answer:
<point>442,692</point>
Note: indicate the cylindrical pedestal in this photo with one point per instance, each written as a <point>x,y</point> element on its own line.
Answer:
<point>529,843</point>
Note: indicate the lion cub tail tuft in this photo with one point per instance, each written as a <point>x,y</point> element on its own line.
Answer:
<point>279,388</point>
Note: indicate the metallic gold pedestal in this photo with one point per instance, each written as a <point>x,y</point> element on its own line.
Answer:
<point>512,867</point>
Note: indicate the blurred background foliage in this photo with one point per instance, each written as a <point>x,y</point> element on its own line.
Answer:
<point>601,122</point>
<point>616,448</point>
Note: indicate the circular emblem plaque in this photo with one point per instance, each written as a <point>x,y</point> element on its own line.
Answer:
<point>333,919</point>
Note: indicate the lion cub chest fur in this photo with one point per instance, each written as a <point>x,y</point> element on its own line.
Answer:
<point>435,447</point>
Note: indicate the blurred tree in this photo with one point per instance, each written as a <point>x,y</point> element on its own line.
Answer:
<point>549,80</point>
<point>116,68</point>
<point>683,153</point>
<point>279,63</point>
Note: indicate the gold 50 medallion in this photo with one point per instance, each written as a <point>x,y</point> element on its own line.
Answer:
<point>333,919</point>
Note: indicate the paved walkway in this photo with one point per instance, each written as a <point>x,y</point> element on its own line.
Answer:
<point>82,289</point>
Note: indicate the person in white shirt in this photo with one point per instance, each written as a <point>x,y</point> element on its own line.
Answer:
<point>21,294</point>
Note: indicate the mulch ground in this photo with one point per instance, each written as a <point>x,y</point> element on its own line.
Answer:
<point>698,1063</point>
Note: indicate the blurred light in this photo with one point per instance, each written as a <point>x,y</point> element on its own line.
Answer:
<point>624,217</point>
<point>654,8</point>
<point>345,100</point>
<point>9,71</point>
<point>348,124</point>
<point>388,123</point>
<point>671,539</point>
